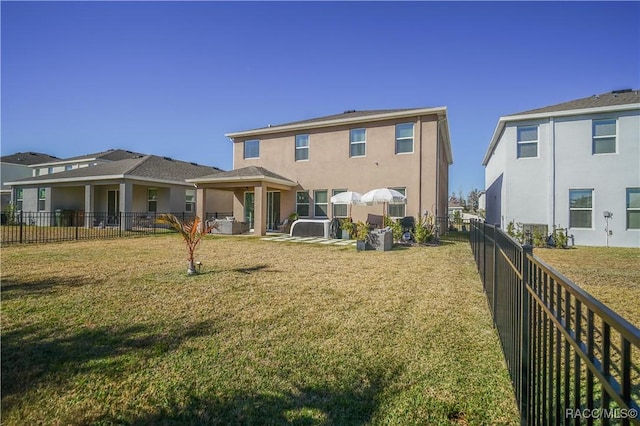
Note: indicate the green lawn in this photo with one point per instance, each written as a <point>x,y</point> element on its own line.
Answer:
<point>611,274</point>
<point>114,331</point>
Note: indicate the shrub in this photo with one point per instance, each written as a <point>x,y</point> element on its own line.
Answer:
<point>395,226</point>
<point>425,229</point>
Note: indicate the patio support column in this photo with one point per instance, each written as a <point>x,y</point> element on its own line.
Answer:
<point>201,204</point>
<point>260,209</point>
<point>89,205</point>
<point>126,203</point>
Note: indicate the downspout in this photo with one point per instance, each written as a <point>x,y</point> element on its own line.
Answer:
<point>420,172</point>
<point>437,168</point>
<point>552,126</point>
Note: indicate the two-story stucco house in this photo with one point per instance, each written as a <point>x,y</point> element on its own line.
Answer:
<point>299,166</point>
<point>568,164</point>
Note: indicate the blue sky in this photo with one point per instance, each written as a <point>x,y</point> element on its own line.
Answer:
<point>170,78</point>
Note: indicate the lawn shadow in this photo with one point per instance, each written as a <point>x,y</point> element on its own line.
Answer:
<point>30,356</point>
<point>342,403</point>
<point>13,287</point>
<point>251,269</point>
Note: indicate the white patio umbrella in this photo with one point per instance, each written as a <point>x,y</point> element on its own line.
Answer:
<point>347,197</point>
<point>383,196</point>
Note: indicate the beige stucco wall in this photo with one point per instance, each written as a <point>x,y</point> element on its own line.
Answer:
<point>330,166</point>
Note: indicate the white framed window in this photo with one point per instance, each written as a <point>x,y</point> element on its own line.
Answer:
<point>190,200</point>
<point>339,210</point>
<point>302,147</point>
<point>604,136</point>
<point>357,142</point>
<point>527,141</point>
<point>42,199</point>
<point>252,148</point>
<point>398,209</point>
<point>580,208</point>
<point>302,203</point>
<point>19,198</point>
<point>320,203</point>
<point>404,138</point>
<point>68,167</point>
<point>50,170</point>
<point>633,208</point>
<point>152,200</point>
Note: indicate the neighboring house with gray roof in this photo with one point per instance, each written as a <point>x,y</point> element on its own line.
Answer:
<point>568,164</point>
<point>61,165</point>
<point>18,166</point>
<point>298,166</point>
<point>119,182</point>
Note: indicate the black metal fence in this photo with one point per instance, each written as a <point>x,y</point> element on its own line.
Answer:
<point>571,359</point>
<point>453,230</point>
<point>62,225</point>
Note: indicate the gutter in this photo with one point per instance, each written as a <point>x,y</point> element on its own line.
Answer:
<point>338,121</point>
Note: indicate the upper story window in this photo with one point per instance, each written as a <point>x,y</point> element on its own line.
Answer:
<point>404,138</point>
<point>302,147</point>
<point>527,141</point>
<point>633,208</point>
<point>36,172</point>
<point>357,142</point>
<point>580,208</point>
<point>19,198</point>
<point>68,167</point>
<point>302,203</point>
<point>152,200</point>
<point>42,199</point>
<point>50,170</point>
<point>190,200</point>
<point>252,149</point>
<point>604,136</point>
<point>320,203</point>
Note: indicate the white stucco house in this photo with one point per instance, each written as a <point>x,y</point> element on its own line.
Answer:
<point>568,164</point>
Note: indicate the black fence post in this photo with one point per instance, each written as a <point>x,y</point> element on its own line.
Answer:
<point>119,224</point>
<point>527,250</point>
<point>21,224</point>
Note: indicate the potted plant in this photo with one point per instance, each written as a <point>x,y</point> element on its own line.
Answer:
<point>362,235</point>
<point>191,234</point>
<point>348,228</point>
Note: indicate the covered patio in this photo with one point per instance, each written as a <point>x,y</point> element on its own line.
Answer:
<point>259,195</point>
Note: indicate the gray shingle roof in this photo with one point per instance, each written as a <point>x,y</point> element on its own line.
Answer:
<point>344,115</point>
<point>28,158</point>
<point>603,100</point>
<point>245,172</point>
<point>150,167</point>
<point>110,155</point>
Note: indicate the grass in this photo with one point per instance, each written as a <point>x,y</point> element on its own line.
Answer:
<point>612,275</point>
<point>104,332</point>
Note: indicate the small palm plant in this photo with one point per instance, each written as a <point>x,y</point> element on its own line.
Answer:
<point>191,233</point>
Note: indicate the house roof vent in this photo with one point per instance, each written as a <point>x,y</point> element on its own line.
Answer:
<point>349,111</point>
<point>615,92</point>
<point>168,158</point>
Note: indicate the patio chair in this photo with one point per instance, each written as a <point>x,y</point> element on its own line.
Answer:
<point>375,220</point>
